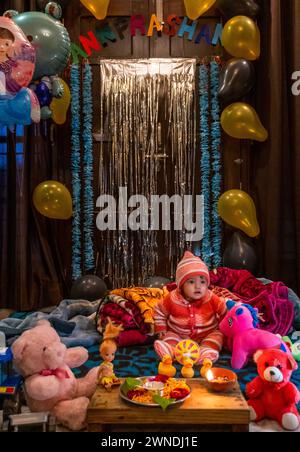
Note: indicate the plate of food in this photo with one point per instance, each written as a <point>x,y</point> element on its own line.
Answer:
<point>155,391</point>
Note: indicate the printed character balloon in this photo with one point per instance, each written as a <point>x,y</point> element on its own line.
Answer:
<point>50,39</point>
<point>17,58</point>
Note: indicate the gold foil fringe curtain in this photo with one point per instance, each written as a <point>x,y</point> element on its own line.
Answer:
<point>148,146</point>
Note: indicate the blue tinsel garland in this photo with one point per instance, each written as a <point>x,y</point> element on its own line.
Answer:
<point>75,168</point>
<point>216,163</point>
<point>206,251</point>
<point>88,194</point>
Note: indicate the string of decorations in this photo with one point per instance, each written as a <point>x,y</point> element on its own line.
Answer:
<point>216,164</point>
<point>76,171</point>
<point>206,251</point>
<point>88,194</point>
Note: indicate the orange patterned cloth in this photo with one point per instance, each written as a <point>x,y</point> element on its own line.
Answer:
<point>144,298</point>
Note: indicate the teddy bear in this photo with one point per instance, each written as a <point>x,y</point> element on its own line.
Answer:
<point>239,326</point>
<point>271,394</point>
<point>45,364</point>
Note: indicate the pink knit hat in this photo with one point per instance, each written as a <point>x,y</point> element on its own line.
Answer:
<point>190,266</point>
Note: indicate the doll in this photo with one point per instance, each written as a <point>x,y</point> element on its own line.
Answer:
<point>108,347</point>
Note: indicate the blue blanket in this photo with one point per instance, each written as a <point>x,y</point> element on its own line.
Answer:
<point>74,321</point>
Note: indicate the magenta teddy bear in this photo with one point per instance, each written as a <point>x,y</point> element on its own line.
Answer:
<point>240,326</point>
<point>45,364</point>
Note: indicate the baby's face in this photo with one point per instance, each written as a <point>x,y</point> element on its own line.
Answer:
<point>5,45</point>
<point>195,288</point>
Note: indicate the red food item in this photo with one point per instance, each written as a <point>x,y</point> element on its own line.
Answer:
<point>161,378</point>
<point>179,393</point>
<point>135,392</point>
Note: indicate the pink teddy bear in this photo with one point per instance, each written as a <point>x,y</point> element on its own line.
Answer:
<point>50,385</point>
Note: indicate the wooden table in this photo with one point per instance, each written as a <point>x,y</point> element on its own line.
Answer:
<point>204,410</point>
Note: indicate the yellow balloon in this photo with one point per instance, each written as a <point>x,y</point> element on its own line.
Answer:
<point>240,120</point>
<point>60,106</point>
<point>53,200</point>
<point>195,8</point>
<point>97,7</point>
<point>241,38</point>
<point>237,208</point>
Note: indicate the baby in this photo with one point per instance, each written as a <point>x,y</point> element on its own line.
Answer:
<point>192,311</point>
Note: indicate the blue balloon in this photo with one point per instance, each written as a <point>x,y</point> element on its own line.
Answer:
<point>15,109</point>
<point>43,94</point>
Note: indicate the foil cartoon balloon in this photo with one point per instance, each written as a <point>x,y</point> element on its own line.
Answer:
<point>237,209</point>
<point>50,39</point>
<point>97,7</point>
<point>60,106</point>
<point>240,120</point>
<point>17,58</point>
<point>236,80</point>
<point>53,200</point>
<point>241,38</point>
<point>231,8</point>
<point>196,8</point>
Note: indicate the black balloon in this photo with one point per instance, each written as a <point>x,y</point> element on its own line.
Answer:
<point>156,281</point>
<point>231,8</point>
<point>236,80</point>
<point>88,287</point>
<point>240,253</point>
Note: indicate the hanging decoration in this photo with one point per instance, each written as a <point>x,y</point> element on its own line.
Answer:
<point>206,251</point>
<point>196,8</point>
<point>97,7</point>
<point>210,143</point>
<point>145,157</point>
<point>241,38</point>
<point>237,209</point>
<point>76,171</point>
<point>216,164</point>
<point>88,194</point>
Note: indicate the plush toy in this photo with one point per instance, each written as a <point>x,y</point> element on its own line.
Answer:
<point>271,394</point>
<point>50,385</point>
<point>240,326</point>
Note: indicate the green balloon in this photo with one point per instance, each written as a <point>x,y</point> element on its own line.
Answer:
<point>49,38</point>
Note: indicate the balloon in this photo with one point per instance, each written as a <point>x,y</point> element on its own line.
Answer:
<point>236,80</point>
<point>16,109</point>
<point>241,121</point>
<point>88,287</point>
<point>17,58</point>
<point>240,253</point>
<point>237,209</point>
<point>60,106</point>
<point>50,39</point>
<point>97,7</point>
<point>53,200</point>
<point>43,3</point>
<point>43,94</point>
<point>54,10</point>
<point>156,281</point>
<point>195,8</point>
<point>241,38</point>
<point>231,8</point>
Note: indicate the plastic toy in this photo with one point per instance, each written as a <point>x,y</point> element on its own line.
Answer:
<point>207,364</point>
<point>108,347</point>
<point>187,370</point>
<point>166,368</point>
